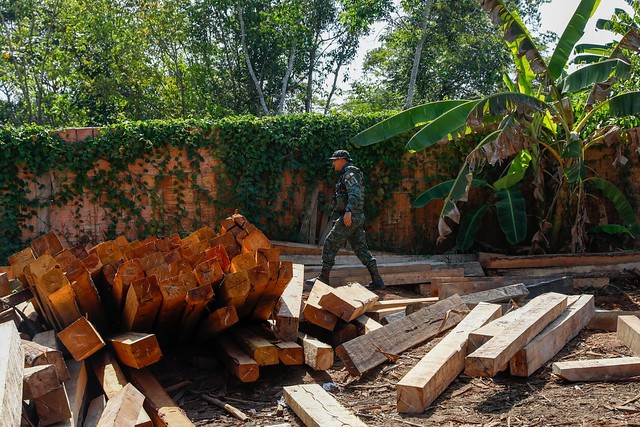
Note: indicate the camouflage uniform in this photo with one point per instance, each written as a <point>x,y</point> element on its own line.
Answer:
<point>349,195</point>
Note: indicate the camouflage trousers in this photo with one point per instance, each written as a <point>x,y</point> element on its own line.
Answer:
<point>340,234</point>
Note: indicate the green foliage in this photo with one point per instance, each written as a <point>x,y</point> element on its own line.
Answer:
<point>110,171</point>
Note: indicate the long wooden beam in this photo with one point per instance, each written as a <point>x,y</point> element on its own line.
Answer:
<point>442,364</point>
<point>618,368</point>
<point>317,408</point>
<point>488,260</point>
<point>368,351</point>
<point>554,337</point>
<point>11,369</point>
<point>491,357</point>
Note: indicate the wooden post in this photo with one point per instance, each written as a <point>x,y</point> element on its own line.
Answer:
<point>127,273</point>
<point>554,337</point>
<point>259,348</point>
<point>496,353</point>
<point>174,294</point>
<point>36,354</point>
<point>216,322</point>
<point>610,369</point>
<point>290,353</point>
<point>629,332</point>
<point>136,349</point>
<point>163,409</point>
<point>368,351</point>
<point>317,354</point>
<point>442,364</point>
<point>288,316</point>
<point>141,305</point>
<point>264,308</point>
<point>348,302</point>
<point>123,408</point>
<point>197,299</point>
<point>12,364</point>
<point>39,380</point>
<point>315,314</point>
<point>81,339</point>
<point>234,289</point>
<point>240,364</point>
<point>317,408</point>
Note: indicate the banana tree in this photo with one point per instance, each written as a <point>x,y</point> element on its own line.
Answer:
<point>541,128</point>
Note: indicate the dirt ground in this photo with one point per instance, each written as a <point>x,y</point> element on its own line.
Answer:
<point>539,400</point>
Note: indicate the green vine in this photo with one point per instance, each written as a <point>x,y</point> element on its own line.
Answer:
<point>112,171</point>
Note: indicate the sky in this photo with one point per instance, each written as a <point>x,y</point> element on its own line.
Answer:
<point>554,17</point>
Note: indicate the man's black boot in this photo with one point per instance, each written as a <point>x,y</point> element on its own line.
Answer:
<point>376,281</point>
<point>323,277</point>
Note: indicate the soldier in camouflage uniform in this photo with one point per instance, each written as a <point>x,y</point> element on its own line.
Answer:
<point>348,202</point>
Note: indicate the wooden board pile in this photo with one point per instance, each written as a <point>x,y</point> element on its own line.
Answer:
<point>138,295</point>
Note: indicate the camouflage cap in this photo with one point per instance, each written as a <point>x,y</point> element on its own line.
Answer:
<point>340,154</point>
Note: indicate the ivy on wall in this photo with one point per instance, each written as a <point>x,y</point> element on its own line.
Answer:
<point>253,153</point>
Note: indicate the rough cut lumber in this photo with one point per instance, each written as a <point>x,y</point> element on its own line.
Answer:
<point>496,353</point>
<point>12,363</point>
<point>348,302</point>
<point>136,349</point>
<point>314,260</point>
<point>197,299</point>
<point>109,252</point>
<point>259,278</point>
<point>234,289</point>
<point>561,285</point>
<point>256,346</point>
<point>368,351</point>
<point>607,320</point>
<point>403,302</point>
<point>580,271</point>
<point>317,354</point>
<point>53,407</point>
<point>5,287</point>
<point>174,301</point>
<point>315,314</point>
<point>216,322</point>
<point>442,364</point>
<point>517,292</point>
<point>141,305</point>
<point>208,272</point>
<point>47,244</point>
<point>81,339</point>
<point>379,314</point>
<point>342,275</point>
<point>87,295</point>
<point>240,364</point>
<point>39,380</point>
<point>288,316</point>
<point>63,303</point>
<point>95,410</point>
<point>629,332</point>
<point>123,408</point>
<point>219,254</point>
<point>366,324</point>
<point>610,369</point>
<point>254,241</point>
<point>36,354</point>
<point>290,353</point>
<point>317,408</point>
<point>447,286</point>
<point>19,261</point>
<point>271,295</point>
<point>127,273</point>
<point>488,260</point>
<point>590,282</point>
<point>291,248</point>
<point>76,388</point>
<point>112,380</point>
<point>554,337</point>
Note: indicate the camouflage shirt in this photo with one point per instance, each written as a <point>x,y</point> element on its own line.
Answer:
<point>349,190</point>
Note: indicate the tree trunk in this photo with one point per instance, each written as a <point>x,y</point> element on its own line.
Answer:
<point>416,58</point>
<point>245,48</point>
<point>285,81</point>
<point>312,60</point>
<point>333,87</point>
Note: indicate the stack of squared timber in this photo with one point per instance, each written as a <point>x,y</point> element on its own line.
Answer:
<point>114,305</point>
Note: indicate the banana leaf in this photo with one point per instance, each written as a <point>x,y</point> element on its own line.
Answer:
<point>505,102</point>
<point>441,127</point>
<point>512,215</point>
<point>439,191</point>
<point>596,49</point>
<point>609,229</point>
<point>570,36</point>
<point>591,74</point>
<point>622,205</point>
<point>404,122</point>
<point>525,53</point>
<point>516,172</point>
<point>469,226</point>
<point>626,104</point>
<point>588,58</point>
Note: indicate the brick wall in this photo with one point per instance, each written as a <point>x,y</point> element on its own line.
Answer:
<point>399,226</point>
